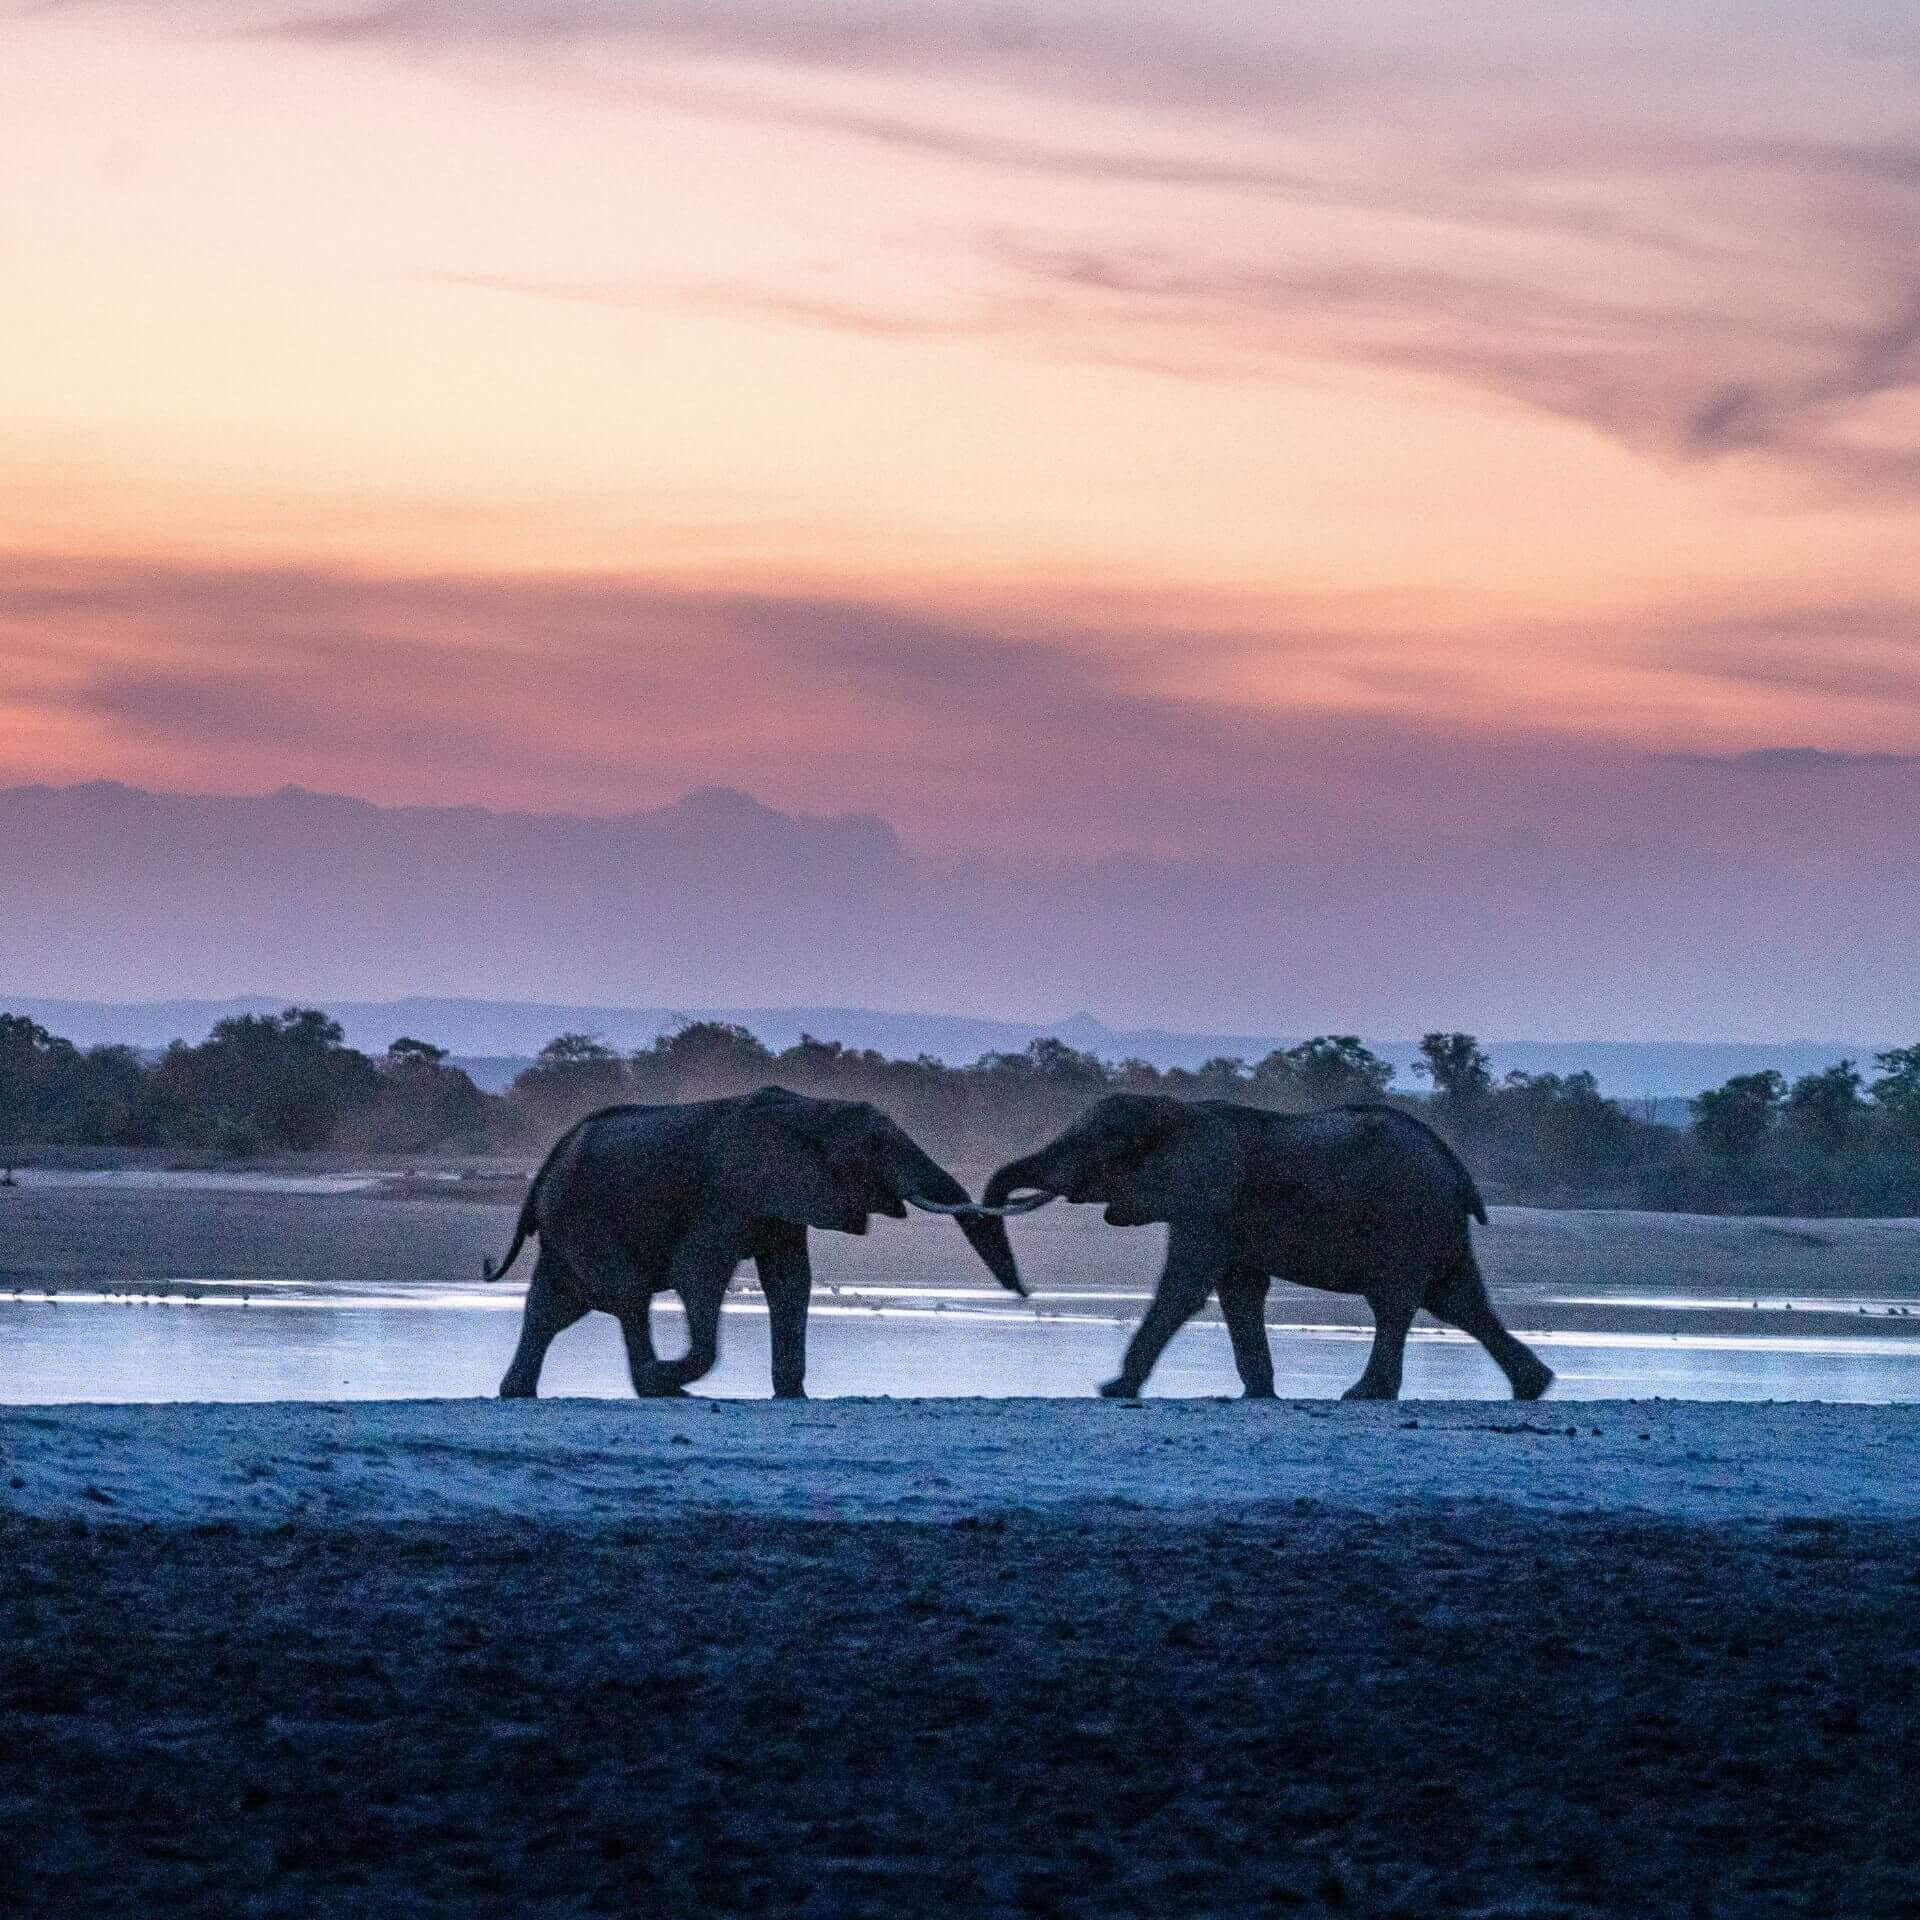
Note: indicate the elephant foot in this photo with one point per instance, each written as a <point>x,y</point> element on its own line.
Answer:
<point>659,1390</point>
<point>1368,1390</point>
<point>789,1393</point>
<point>1120,1389</point>
<point>517,1390</point>
<point>1262,1392</point>
<point>1533,1381</point>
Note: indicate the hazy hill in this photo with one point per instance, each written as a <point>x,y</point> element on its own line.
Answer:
<point>511,926</point>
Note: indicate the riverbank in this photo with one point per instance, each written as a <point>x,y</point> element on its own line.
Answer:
<point>594,1463</point>
<point>1675,1304</point>
<point>977,1658</point>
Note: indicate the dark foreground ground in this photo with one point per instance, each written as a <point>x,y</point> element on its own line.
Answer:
<point>1124,1714</point>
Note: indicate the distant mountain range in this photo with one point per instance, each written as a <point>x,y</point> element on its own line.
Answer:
<point>115,900</point>
<point>494,1039</point>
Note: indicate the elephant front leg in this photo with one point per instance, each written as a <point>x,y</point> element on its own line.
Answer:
<point>1195,1266</point>
<point>1243,1302</point>
<point>550,1310</point>
<point>699,1274</point>
<point>786,1279</point>
<point>643,1364</point>
<point>1393,1311</point>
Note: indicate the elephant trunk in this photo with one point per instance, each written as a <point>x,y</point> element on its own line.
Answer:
<point>988,1238</point>
<point>1029,1172</point>
<point>921,1177</point>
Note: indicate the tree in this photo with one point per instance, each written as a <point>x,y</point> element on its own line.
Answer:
<point>1030,1093</point>
<point>809,1063</point>
<point>1732,1121</point>
<point>1565,1130</point>
<point>707,1059</point>
<point>1062,1065</point>
<point>1897,1091</point>
<point>570,1076</point>
<point>1046,1059</point>
<point>28,1062</point>
<point>1224,1077</point>
<point>407,1054</point>
<point>94,1095</point>
<point>267,1080</point>
<point>1824,1106</point>
<point>575,1049</point>
<point>1461,1073</point>
<point>422,1103</point>
<point>1322,1072</point>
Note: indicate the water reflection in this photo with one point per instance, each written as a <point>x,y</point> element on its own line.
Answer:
<point>290,1341</point>
<point>149,1180</point>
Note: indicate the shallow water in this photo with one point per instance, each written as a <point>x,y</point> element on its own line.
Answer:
<point>228,1339</point>
<point>174,1180</point>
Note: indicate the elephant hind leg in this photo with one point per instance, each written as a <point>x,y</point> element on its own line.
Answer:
<point>1459,1297</point>
<point>552,1307</point>
<point>1243,1303</point>
<point>1394,1305</point>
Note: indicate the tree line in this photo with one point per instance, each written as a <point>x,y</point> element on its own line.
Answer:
<point>1833,1142</point>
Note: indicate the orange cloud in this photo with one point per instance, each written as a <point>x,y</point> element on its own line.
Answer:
<point>1068,724</point>
<point>1144,431</point>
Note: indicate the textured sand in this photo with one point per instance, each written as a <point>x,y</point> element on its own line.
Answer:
<point>552,1461</point>
<point>913,1658</point>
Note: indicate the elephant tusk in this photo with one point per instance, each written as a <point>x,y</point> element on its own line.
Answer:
<point>1027,1203</point>
<point>979,1207</point>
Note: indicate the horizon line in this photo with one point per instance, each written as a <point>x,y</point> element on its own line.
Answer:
<point>1041,1029</point>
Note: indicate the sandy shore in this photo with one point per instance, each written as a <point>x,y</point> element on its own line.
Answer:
<point>594,1462</point>
<point>970,1658</point>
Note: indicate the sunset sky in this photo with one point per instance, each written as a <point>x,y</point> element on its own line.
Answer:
<point>1119,428</point>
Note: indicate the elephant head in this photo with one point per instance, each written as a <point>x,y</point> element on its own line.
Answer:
<point>1145,1156</point>
<point>833,1163</point>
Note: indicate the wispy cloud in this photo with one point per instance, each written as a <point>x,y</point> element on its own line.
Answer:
<point>1792,763</point>
<point>1055,727</point>
<point>795,305</point>
<point>1883,359</point>
<point>1687,227</point>
<point>1132,48</point>
<point>1643,369</point>
<point>1868,651</point>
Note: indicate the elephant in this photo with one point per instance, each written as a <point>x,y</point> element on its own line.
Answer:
<point>637,1200</point>
<point>1352,1199</point>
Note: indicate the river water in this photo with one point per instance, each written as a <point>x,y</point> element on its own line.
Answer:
<point>240,1340</point>
<point>215,1286</point>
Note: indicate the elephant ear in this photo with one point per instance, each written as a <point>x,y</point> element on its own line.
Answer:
<point>774,1160</point>
<point>1191,1164</point>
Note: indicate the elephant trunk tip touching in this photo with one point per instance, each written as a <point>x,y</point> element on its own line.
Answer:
<point>1008,1181</point>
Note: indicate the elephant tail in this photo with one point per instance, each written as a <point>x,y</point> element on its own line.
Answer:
<point>1470,1200</point>
<point>523,1230</point>
<point>1469,1193</point>
<point>528,1225</point>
